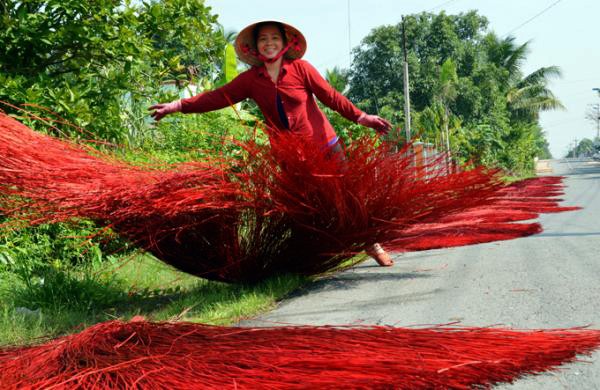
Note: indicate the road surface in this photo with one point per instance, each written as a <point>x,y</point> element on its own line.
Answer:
<point>550,280</point>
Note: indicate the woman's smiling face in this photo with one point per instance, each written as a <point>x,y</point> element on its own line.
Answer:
<point>269,41</point>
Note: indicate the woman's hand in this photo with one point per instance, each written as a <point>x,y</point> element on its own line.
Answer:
<point>163,109</point>
<point>375,122</point>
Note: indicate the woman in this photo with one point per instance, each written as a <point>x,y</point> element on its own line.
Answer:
<point>283,86</point>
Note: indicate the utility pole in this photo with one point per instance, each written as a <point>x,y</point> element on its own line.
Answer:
<point>593,114</point>
<point>446,130</point>
<point>406,94</point>
<point>349,40</point>
<point>597,119</point>
<point>597,106</point>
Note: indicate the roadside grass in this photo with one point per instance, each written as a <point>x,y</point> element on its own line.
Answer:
<point>509,179</point>
<point>67,301</point>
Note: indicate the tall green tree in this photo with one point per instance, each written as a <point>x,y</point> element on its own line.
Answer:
<point>530,95</point>
<point>376,74</point>
<point>584,148</point>
<point>447,94</point>
<point>87,60</point>
<point>526,95</point>
<point>462,76</point>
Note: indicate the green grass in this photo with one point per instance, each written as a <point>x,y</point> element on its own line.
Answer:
<point>65,301</point>
<point>511,178</point>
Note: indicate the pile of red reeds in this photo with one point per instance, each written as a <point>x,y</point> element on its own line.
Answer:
<point>492,221</point>
<point>143,355</point>
<point>292,207</point>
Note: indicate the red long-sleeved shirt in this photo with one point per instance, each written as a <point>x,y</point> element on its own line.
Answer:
<point>298,81</point>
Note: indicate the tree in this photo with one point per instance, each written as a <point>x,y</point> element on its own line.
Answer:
<point>462,76</point>
<point>530,95</point>
<point>526,95</point>
<point>376,72</point>
<point>338,78</point>
<point>86,60</point>
<point>593,114</point>
<point>447,94</point>
<point>584,148</point>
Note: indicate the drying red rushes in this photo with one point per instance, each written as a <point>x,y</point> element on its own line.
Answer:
<point>290,208</point>
<point>287,209</point>
<point>142,355</point>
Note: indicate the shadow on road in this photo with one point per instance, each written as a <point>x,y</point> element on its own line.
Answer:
<point>365,306</point>
<point>589,178</point>
<point>352,280</point>
<point>580,167</point>
<point>568,234</point>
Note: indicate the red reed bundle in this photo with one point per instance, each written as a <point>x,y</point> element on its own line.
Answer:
<point>143,355</point>
<point>292,207</point>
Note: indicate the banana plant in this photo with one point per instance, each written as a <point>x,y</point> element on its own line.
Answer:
<point>230,65</point>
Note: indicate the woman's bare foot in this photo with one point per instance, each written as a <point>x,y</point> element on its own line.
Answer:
<point>380,255</point>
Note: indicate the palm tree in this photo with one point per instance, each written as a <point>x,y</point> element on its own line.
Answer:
<point>338,78</point>
<point>505,54</point>
<point>447,94</point>
<point>528,95</point>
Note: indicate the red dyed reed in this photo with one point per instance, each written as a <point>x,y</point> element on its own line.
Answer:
<point>143,355</point>
<point>292,207</point>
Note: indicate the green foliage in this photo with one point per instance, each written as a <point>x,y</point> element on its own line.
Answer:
<point>479,144</point>
<point>431,39</point>
<point>79,289</point>
<point>42,260</point>
<point>86,60</point>
<point>36,247</point>
<point>30,251</point>
<point>185,37</point>
<point>337,78</point>
<point>528,96</point>
<point>229,67</point>
<point>584,148</point>
<point>447,81</point>
<point>194,137</point>
<point>462,77</point>
<point>74,297</point>
<point>345,129</point>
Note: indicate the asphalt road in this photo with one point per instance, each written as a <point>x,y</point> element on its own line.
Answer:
<point>550,280</point>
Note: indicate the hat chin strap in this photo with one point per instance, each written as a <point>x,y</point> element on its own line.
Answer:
<point>293,43</point>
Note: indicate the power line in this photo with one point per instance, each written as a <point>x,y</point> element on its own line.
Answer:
<point>441,5</point>
<point>534,17</point>
<point>349,38</point>
<point>337,58</point>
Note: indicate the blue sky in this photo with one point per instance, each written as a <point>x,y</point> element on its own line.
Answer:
<point>566,35</point>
